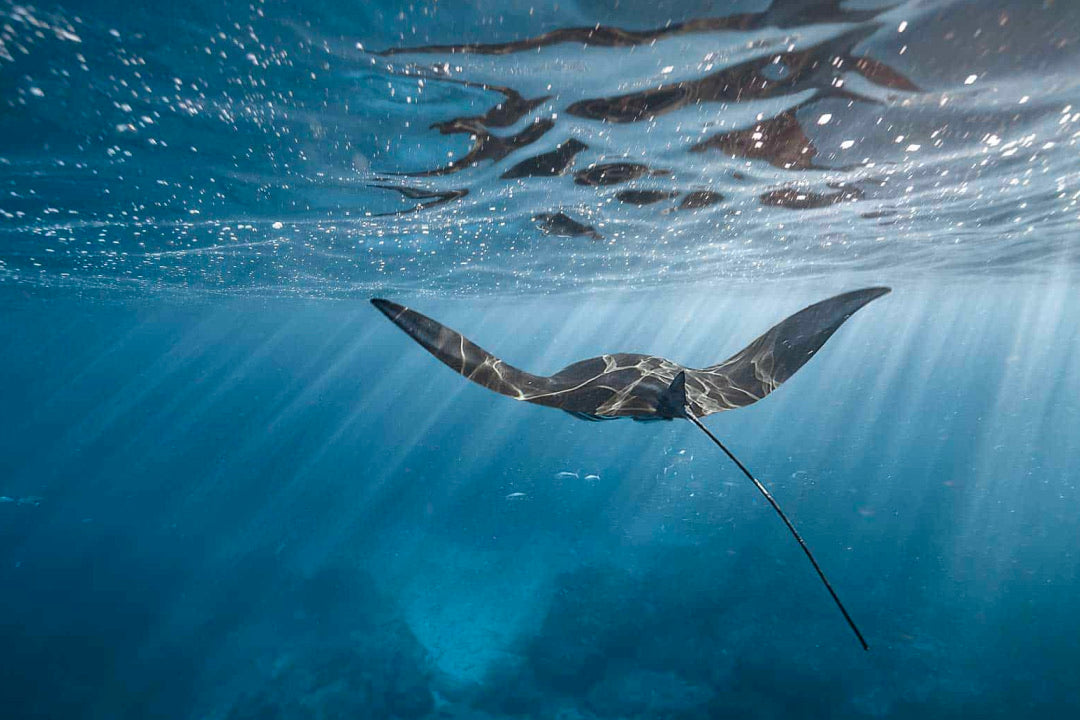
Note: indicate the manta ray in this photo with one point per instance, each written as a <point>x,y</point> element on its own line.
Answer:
<point>651,388</point>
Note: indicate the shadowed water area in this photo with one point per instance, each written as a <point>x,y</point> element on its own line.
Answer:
<point>230,489</point>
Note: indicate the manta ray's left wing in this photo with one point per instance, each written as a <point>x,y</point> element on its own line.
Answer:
<point>462,355</point>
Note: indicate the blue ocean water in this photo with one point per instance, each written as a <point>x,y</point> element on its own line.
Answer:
<point>230,489</point>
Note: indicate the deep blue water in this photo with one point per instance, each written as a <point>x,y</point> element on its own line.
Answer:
<point>229,488</point>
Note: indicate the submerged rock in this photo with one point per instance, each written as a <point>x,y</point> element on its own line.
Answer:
<point>586,626</point>
<point>331,646</point>
<point>636,692</point>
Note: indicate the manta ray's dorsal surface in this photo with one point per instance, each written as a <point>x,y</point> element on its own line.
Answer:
<point>647,387</point>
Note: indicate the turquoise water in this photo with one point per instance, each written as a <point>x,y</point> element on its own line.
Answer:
<point>231,489</point>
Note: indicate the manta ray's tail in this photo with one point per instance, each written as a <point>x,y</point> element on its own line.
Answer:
<point>790,526</point>
<point>462,355</point>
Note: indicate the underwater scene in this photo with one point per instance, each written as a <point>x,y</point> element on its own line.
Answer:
<point>787,291</point>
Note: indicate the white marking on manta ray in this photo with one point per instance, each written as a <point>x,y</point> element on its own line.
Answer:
<point>564,391</point>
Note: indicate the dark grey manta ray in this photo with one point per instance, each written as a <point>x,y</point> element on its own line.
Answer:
<point>646,387</point>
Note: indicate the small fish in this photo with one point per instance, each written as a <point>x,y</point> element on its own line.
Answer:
<point>34,500</point>
<point>566,475</point>
<point>6,499</point>
<point>592,478</point>
<point>515,495</point>
<point>677,457</point>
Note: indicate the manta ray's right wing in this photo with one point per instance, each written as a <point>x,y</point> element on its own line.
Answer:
<point>764,364</point>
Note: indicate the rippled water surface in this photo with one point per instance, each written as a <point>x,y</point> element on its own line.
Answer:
<point>314,149</point>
